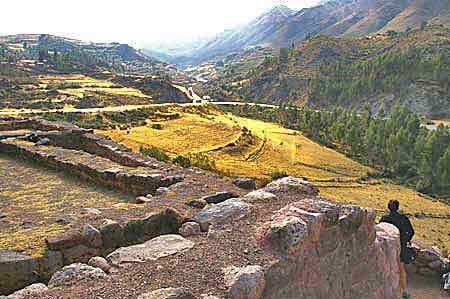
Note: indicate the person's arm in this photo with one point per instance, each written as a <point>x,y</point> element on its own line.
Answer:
<point>409,230</point>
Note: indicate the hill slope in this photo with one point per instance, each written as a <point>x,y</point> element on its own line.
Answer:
<point>410,68</point>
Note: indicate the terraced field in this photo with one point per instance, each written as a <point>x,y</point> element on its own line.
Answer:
<point>36,203</point>
<point>276,149</point>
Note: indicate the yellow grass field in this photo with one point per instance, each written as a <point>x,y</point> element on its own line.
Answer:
<point>32,199</point>
<point>284,150</point>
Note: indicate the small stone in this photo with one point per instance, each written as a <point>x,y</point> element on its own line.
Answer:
<point>100,262</point>
<point>245,183</point>
<point>69,275</point>
<point>161,191</point>
<point>259,195</point>
<point>219,197</point>
<point>190,229</point>
<point>197,203</point>
<point>43,141</point>
<point>140,200</point>
<point>168,293</point>
<point>92,211</point>
<point>92,236</point>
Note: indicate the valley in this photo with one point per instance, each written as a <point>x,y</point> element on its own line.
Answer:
<point>254,163</point>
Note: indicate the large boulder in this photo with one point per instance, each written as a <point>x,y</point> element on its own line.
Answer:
<point>221,214</point>
<point>287,184</point>
<point>168,293</point>
<point>34,290</point>
<point>76,272</point>
<point>17,271</point>
<point>152,250</point>
<point>247,282</point>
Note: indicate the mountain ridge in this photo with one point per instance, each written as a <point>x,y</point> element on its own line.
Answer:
<point>282,26</point>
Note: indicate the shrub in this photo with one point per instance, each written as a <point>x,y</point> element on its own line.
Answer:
<point>278,175</point>
<point>182,161</point>
<point>202,161</point>
<point>154,153</point>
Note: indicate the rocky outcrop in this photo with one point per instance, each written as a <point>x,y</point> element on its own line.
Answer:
<point>326,250</point>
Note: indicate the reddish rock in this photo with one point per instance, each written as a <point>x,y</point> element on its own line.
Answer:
<point>190,229</point>
<point>244,283</point>
<point>64,240</point>
<point>79,254</point>
<point>112,234</point>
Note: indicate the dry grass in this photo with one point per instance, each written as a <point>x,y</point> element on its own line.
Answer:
<point>34,198</point>
<point>288,151</point>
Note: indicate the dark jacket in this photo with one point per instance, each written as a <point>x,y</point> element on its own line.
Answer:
<point>404,226</point>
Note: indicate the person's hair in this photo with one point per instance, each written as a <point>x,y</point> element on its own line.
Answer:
<point>393,205</point>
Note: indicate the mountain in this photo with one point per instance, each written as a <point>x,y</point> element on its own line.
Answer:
<point>257,32</point>
<point>71,54</point>
<point>282,26</point>
<point>411,68</point>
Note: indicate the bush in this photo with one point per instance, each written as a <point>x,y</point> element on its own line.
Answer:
<point>201,160</point>
<point>182,161</point>
<point>154,153</point>
<point>278,175</point>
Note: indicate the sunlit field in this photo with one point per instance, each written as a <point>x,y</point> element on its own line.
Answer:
<point>279,150</point>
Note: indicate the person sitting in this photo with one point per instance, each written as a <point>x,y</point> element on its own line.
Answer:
<point>406,234</point>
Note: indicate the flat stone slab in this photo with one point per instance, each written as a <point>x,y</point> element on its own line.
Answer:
<point>16,271</point>
<point>222,213</point>
<point>152,250</point>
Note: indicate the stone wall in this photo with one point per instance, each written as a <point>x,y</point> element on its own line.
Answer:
<point>329,251</point>
<point>91,167</point>
<point>98,145</point>
<point>18,270</point>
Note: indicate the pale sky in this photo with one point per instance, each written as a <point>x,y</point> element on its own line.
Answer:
<point>137,22</point>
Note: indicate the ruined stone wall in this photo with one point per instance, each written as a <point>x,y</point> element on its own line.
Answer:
<point>78,246</point>
<point>327,251</point>
<point>322,250</point>
<point>98,145</point>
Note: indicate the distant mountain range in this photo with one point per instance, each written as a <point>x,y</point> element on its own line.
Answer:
<point>412,68</point>
<point>282,26</point>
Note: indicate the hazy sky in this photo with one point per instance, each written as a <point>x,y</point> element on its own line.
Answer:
<point>138,22</point>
